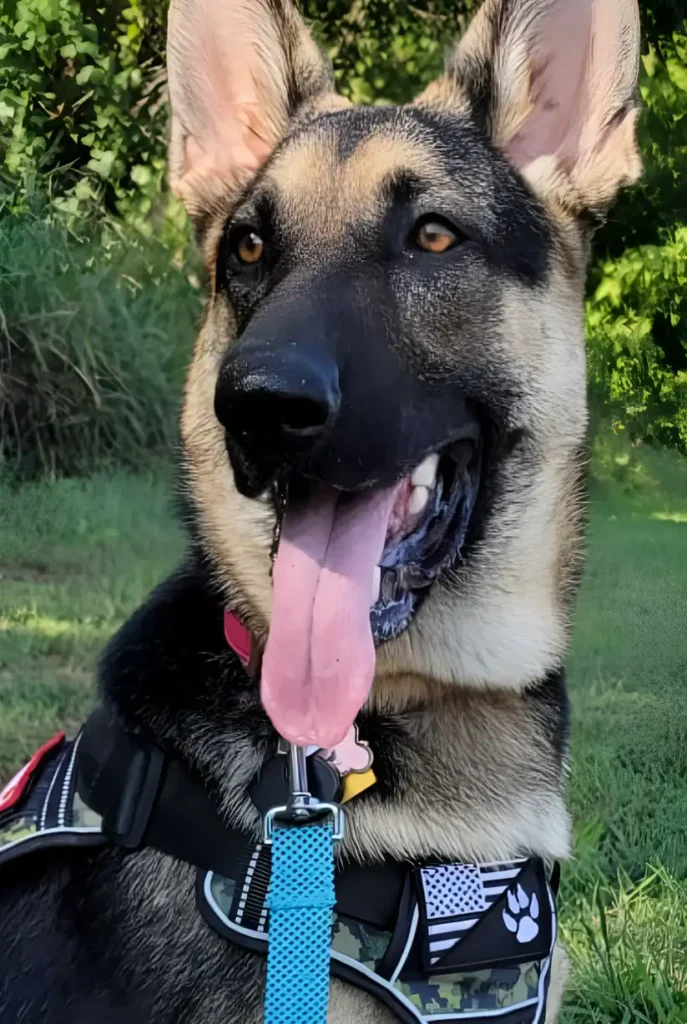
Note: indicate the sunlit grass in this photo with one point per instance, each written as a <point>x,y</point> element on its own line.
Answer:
<point>76,556</point>
<point>628,942</point>
<point>96,334</point>
<point>624,895</point>
<point>670,517</point>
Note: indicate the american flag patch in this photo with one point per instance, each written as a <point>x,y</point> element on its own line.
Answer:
<point>456,896</point>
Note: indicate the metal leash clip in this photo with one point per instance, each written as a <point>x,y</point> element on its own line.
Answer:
<point>301,806</point>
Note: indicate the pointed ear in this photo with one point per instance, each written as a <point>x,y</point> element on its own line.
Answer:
<point>555,84</point>
<point>238,71</point>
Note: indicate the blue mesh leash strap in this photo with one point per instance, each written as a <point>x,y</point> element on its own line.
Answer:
<point>301,901</point>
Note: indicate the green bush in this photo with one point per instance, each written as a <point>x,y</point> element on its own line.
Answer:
<point>637,313</point>
<point>82,101</point>
<point>94,341</point>
<point>637,340</point>
<point>384,51</point>
<point>82,86</point>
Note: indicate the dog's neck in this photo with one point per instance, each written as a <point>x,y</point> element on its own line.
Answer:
<point>460,774</point>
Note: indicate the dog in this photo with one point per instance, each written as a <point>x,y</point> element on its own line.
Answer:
<point>383,454</point>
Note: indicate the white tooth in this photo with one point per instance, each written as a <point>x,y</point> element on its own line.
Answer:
<point>376,584</point>
<point>419,496</point>
<point>425,474</point>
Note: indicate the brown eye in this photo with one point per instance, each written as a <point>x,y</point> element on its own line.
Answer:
<point>435,237</point>
<point>249,247</point>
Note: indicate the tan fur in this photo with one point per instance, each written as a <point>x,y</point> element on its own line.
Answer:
<point>237,531</point>
<point>560,972</point>
<point>344,193</point>
<point>481,821</point>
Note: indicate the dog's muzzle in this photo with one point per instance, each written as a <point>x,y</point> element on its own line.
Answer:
<point>374,469</point>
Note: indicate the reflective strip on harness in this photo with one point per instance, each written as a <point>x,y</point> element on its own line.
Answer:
<point>45,810</point>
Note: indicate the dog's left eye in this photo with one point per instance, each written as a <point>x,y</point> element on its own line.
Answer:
<point>433,236</point>
<point>248,247</point>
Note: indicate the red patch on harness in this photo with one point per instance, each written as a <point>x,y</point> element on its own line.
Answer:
<point>18,784</point>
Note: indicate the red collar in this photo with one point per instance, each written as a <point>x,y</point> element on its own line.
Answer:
<point>237,636</point>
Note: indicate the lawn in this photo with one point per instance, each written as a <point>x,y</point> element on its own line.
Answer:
<point>77,555</point>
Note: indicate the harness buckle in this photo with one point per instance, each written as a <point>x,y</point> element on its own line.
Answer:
<point>301,806</point>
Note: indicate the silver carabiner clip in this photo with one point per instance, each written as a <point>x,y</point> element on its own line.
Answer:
<point>301,806</point>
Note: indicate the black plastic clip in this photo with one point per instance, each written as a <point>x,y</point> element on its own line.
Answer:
<point>127,825</point>
<point>119,776</point>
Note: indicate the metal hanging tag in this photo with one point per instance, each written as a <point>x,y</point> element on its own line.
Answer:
<point>301,806</point>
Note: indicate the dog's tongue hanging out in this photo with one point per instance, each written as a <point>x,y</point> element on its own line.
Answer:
<point>319,660</point>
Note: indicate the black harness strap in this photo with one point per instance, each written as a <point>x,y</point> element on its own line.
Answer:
<point>147,798</point>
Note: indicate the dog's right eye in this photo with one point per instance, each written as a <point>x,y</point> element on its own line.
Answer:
<point>248,247</point>
<point>434,236</point>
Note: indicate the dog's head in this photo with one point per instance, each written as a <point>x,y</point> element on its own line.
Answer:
<point>391,368</point>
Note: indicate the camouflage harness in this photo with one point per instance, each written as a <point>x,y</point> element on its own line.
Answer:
<point>434,942</point>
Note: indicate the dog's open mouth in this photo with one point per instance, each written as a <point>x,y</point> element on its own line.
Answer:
<point>350,570</point>
<point>428,529</point>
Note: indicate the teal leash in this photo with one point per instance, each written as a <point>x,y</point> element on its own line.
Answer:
<point>301,901</point>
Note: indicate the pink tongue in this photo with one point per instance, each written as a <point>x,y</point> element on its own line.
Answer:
<point>319,660</point>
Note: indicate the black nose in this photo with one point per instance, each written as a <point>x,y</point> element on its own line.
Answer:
<point>275,402</point>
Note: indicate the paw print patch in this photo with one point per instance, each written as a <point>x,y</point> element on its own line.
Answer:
<point>473,916</point>
<point>522,916</point>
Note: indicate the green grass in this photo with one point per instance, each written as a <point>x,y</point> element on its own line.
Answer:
<point>95,336</point>
<point>624,897</point>
<point>76,556</point>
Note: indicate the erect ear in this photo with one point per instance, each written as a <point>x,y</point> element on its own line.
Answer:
<point>238,71</point>
<point>555,83</point>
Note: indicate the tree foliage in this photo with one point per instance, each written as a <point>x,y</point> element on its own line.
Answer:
<point>83,114</point>
<point>81,101</point>
<point>637,312</point>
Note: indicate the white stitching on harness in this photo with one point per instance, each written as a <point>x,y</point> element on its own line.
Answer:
<point>44,809</point>
<point>246,883</point>
<point>61,814</point>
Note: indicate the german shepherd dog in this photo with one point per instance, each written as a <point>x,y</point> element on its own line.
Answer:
<point>388,389</point>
